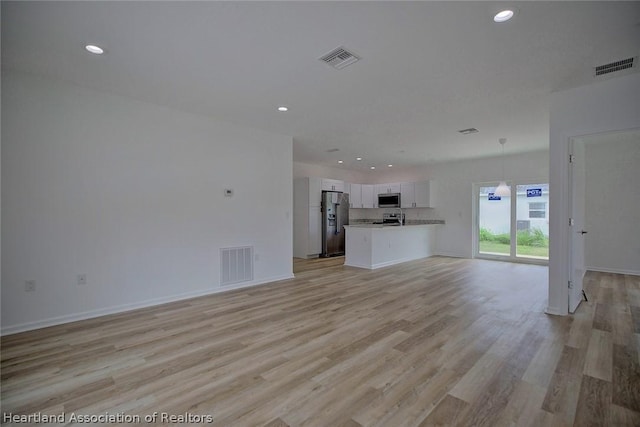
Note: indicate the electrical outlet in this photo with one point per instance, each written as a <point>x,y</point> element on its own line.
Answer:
<point>29,285</point>
<point>82,279</point>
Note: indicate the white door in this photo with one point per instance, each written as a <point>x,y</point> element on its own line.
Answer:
<point>577,232</point>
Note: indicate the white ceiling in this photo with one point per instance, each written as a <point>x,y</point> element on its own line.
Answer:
<point>428,69</point>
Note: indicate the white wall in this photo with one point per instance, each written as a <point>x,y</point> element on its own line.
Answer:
<point>612,215</point>
<point>130,194</point>
<point>301,170</point>
<point>606,106</point>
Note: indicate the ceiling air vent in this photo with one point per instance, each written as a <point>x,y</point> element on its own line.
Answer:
<point>615,66</point>
<point>468,131</point>
<point>339,58</point>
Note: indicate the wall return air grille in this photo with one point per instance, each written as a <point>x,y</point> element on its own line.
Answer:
<point>236,265</point>
<point>615,66</point>
<point>339,58</point>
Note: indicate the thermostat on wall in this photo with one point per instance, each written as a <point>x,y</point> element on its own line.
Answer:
<point>228,192</point>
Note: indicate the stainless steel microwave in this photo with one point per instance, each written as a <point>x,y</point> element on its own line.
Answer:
<point>389,200</point>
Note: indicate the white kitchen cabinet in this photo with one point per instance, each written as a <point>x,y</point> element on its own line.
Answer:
<point>417,194</point>
<point>407,195</point>
<point>369,199</point>
<point>424,194</point>
<point>332,185</point>
<point>387,188</point>
<point>355,196</point>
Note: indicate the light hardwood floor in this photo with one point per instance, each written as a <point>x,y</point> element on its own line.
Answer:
<point>438,341</point>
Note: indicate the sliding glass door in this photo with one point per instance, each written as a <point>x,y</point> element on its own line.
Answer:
<point>494,221</point>
<point>532,221</point>
<point>514,227</point>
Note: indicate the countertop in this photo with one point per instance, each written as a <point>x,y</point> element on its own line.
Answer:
<point>410,222</point>
<point>370,225</point>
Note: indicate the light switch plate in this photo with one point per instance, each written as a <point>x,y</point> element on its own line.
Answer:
<point>228,192</point>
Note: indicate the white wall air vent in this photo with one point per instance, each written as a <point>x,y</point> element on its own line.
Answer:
<point>612,67</point>
<point>236,265</point>
<point>468,131</point>
<point>339,58</point>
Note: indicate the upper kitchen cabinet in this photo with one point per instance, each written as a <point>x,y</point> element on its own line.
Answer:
<point>369,199</point>
<point>424,194</point>
<point>408,195</point>
<point>417,194</point>
<point>332,185</point>
<point>387,188</point>
<point>355,196</point>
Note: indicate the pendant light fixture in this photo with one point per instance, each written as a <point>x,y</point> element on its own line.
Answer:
<point>502,190</point>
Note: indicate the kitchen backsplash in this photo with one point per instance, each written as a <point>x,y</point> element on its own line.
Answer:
<point>376,214</point>
<point>353,221</point>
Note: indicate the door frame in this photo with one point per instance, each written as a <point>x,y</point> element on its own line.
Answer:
<point>577,195</point>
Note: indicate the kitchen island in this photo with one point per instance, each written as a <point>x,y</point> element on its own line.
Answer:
<point>374,245</point>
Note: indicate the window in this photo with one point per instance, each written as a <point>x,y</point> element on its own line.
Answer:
<point>514,227</point>
<point>537,210</point>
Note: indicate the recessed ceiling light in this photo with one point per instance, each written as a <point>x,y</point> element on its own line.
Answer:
<point>283,108</point>
<point>340,161</point>
<point>358,158</point>
<point>94,49</point>
<point>373,167</point>
<point>503,16</point>
<point>389,166</point>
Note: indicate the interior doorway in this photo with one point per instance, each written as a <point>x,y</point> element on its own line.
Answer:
<point>603,204</point>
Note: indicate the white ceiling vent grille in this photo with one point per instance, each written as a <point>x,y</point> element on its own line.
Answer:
<point>339,58</point>
<point>615,66</point>
<point>468,131</point>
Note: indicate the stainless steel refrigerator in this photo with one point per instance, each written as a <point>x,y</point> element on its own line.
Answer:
<point>335,214</point>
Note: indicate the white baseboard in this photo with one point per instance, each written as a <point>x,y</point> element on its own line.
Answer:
<point>385,264</point>
<point>450,254</point>
<point>614,270</point>
<point>357,265</point>
<point>556,311</point>
<point>68,318</point>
